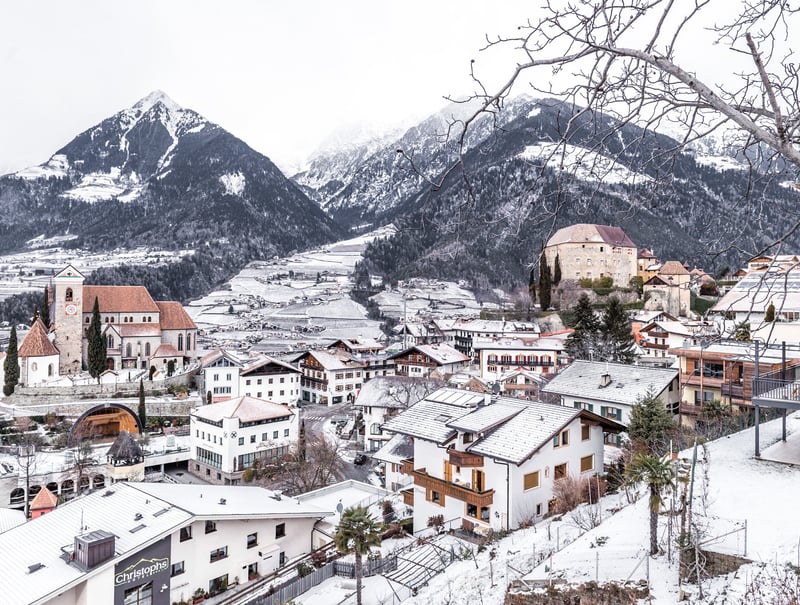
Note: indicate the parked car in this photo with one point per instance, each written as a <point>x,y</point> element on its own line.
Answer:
<point>360,458</point>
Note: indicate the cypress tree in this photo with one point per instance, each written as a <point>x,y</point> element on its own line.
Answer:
<point>556,271</point>
<point>97,344</point>
<point>545,282</point>
<point>769,316</point>
<point>11,364</point>
<point>302,441</point>
<point>532,286</point>
<point>44,312</point>
<point>142,411</point>
<point>617,336</point>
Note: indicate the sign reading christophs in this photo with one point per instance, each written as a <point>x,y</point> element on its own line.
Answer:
<point>143,569</point>
<point>144,577</point>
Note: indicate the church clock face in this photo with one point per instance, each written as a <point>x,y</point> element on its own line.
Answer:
<point>71,309</point>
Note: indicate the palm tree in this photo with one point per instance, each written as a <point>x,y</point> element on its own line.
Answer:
<point>659,476</point>
<point>357,531</point>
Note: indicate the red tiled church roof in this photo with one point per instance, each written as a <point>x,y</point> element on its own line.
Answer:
<point>119,299</point>
<point>174,316</point>
<point>36,343</point>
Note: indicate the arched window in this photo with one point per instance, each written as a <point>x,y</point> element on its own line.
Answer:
<point>188,342</point>
<point>128,350</point>
<point>110,341</point>
<point>124,320</point>
<point>180,342</point>
<point>34,366</point>
<point>50,369</point>
<point>87,320</point>
<point>68,295</point>
<point>147,349</point>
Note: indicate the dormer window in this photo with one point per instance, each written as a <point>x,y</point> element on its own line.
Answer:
<point>68,295</point>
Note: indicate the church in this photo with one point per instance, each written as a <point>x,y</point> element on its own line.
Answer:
<point>139,332</point>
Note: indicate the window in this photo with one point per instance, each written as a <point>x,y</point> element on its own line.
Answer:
<point>247,382</point>
<point>252,540</point>
<point>281,380</point>
<point>68,295</point>
<point>139,595</point>
<point>50,369</point>
<point>280,530</point>
<point>560,471</point>
<point>531,480</point>
<point>607,411</point>
<point>587,463</point>
<point>580,405</point>
<point>227,377</point>
<point>264,436</point>
<point>472,511</point>
<point>274,434</point>
<point>147,349</point>
<point>436,497</point>
<point>538,510</point>
<point>211,527</point>
<point>180,342</point>
<point>561,439</point>
<point>177,569</point>
<point>186,533</point>
<point>241,440</point>
<point>468,438</point>
<point>282,559</point>
<point>285,432</point>
<point>218,553</point>
<point>128,350</point>
<point>585,432</point>
<point>252,438</point>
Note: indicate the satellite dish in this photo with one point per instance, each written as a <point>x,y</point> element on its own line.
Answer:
<point>339,507</point>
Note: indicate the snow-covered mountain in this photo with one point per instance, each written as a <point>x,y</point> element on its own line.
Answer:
<point>157,171</point>
<point>539,164</point>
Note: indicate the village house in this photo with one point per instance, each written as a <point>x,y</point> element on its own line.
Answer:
<point>723,370</point>
<point>611,389</point>
<point>153,543</point>
<point>668,290</point>
<point>421,361</point>
<point>226,376</point>
<point>468,331</point>
<point>659,336</point>
<point>372,355</point>
<point>329,378</point>
<point>485,463</point>
<point>230,436</point>
<point>593,251</point>
<point>392,455</point>
<point>383,398</point>
<point>498,356</point>
<point>647,264</point>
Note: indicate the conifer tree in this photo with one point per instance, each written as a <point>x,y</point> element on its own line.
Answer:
<point>650,426</point>
<point>545,282</point>
<point>618,342</point>
<point>142,411</point>
<point>556,271</point>
<point>44,312</point>
<point>583,342</point>
<point>11,364</point>
<point>532,286</point>
<point>769,316</point>
<point>96,343</point>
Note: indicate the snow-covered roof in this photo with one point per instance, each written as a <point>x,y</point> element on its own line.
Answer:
<point>429,418</point>
<point>518,438</point>
<point>441,353</point>
<point>584,232</point>
<point>627,384</point>
<point>332,361</point>
<point>551,343</point>
<point>397,449</point>
<point>487,416</point>
<point>246,409</point>
<point>257,364</point>
<point>756,290</point>
<point>394,391</point>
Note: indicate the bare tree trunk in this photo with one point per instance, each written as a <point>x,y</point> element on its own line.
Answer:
<point>358,578</point>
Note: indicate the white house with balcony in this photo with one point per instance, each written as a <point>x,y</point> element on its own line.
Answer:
<point>490,463</point>
<point>228,437</point>
<point>497,356</point>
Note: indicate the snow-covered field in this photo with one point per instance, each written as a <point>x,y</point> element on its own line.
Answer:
<point>731,487</point>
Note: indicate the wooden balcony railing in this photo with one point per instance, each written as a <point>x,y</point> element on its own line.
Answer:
<point>407,466</point>
<point>453,490</point>
<point>408,496</point>
<point>465,459</point>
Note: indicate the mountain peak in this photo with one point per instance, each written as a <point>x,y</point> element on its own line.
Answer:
<point>155,97</point>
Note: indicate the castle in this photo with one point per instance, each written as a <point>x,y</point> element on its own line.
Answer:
<point>139,332</point>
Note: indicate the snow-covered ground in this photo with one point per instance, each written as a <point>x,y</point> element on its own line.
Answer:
<point>731,486</point>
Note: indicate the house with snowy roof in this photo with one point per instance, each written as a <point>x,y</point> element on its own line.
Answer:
<point>668,290</point>
<point>611,389</point>
<point>227,376</point>
<point>230,436</point>
<point>420,361</point>
<point>587,251</point>
<point>491,463</point>
<point>384,397</point>
<point>153,543</point>
<point>498,356</point>
<point>38,357</point>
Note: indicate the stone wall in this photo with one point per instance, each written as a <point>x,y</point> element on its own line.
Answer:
<point>590,593</point>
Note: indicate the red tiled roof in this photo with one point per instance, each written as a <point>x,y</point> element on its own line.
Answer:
<point>36,343</point>
<point>119,299</point>
<point>167,351</point>
<point>44,499</point>
<point>174,316</point>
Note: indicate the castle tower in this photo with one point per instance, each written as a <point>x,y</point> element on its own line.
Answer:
<point>65,318</point>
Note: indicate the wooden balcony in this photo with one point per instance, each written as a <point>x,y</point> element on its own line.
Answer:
<point>689,409</point>
<point>465,459</point>
<point>453,490</point>
<point>407,466</point>
<point>733,390</point>
<point>408,496</point>
<point>653,345</point>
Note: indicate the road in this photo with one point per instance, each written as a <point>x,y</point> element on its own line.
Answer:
<point>316,416</point>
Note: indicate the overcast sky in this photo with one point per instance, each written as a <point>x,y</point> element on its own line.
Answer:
<point>281,75</point>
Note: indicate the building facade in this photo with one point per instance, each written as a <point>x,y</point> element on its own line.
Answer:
<point>588,251</point>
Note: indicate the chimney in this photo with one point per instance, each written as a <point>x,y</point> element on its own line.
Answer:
<point>605,380</point>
